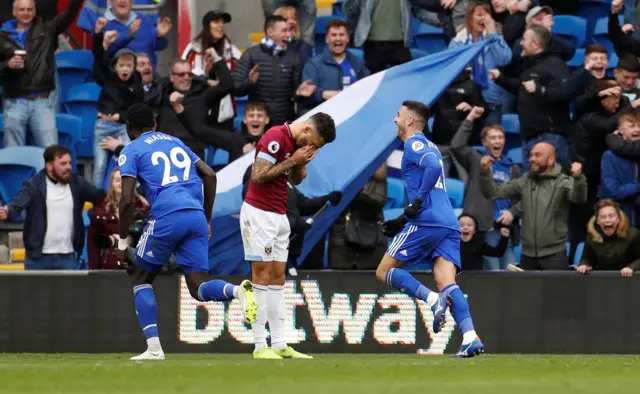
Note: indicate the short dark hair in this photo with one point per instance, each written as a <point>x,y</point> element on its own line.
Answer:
<point>179,61</point>
<point>325,126</point>
<point>53,152</point>
<point>628,62</point>
<point>336,23</point>
<point>140,118</point>
<point>542,36</point>
<point>256,105</point>
<point>595,48</point>
<point>486,129</point>
<point>419,109</point>
<point>272,20</point>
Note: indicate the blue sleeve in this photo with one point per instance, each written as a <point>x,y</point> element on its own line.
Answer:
<point>432,170</point>
<point>128,162</point>
<point>499,50</point>
<point>310,73</point>
<point>612,184</point>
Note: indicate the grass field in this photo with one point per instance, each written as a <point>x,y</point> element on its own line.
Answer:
<point>328,374</point>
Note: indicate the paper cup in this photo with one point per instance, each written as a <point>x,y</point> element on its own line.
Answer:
<point>21,53</point>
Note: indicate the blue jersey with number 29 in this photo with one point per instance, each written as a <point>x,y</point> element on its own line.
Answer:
<point>436,208</point>
<point>165,167</point>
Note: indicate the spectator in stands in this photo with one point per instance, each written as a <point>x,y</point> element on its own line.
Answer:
<point>626,75</point>
<point>590,100</point>
<point>103,234</point>
<point>622,42</point>
<point>29,80</point>
<point>152,84</point>
<point>199,96</point>
<point>473,248</point>
<point>53,200</point>
<point>305,9</point>
<point>620,175</point>
<point>449,111</point>
<point>512,16</point>
<point>213,37</point>
<point>589,145</point>
<point>544,91</point>
<point>334,69</point>
<point>305,51</point>
<point>137,32</point>
<point>545,194</point>
<point>254,123</point>
<point>479,26</point>
<point>490,216</point>
<point>450,14</point>
<point>270,72</point>
<point>612,244</point>
<point>383,29</point>
<point>121,88</point>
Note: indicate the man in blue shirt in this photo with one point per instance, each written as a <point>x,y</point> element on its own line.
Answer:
<point>428,229</point>
<point>172,178</point>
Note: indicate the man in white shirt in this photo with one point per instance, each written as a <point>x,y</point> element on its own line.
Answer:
<point>53,230</point>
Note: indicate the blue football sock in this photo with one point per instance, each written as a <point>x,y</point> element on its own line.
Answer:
<point>146,309</point>
<point>459,308</point>
<point>215,290</point>
<point>406,283</point>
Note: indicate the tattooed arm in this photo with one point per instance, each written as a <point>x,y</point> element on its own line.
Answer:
<point>263,171</point>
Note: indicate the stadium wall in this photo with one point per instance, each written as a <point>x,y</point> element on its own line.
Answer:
<point>328,312</point>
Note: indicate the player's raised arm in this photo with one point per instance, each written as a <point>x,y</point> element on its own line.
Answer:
<point>210,181</point>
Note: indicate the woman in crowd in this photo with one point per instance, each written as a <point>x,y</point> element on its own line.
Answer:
<point>611,243</point>
<point>479,25</point>
<point>213,37</point>
<point>473,248</point>
<point>103,236</point>
<point>305,51</point>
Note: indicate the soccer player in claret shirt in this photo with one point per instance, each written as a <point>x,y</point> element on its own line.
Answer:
<point>428,229</point>
<point>281,156</point>
<point>172,178</point>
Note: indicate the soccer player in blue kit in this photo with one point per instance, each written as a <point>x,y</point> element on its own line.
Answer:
<point>172,178</point>
<point>427,229</point>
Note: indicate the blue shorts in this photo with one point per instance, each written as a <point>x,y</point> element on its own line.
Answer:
<point>184,233</point>
<point>416,244</point>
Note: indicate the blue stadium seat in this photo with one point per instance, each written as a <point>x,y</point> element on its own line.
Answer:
<point>571,28</point>
<point>517,252</point>
<point>112,163</point>
<point>395,193</point>
<point>74,68</point>
<point>592,10</point>
<point>429,38</point>
<point>336,9</point>
<point>357,52</point>
<point>577,61</point>
<point>601,33</point>
<point>321,31</point>
<point>455,191</point>
<point>392,213</point>
<point>515,155</point>
<point>241,103</point>
<point>81,101</point>
<point>237,123</point>
<point>578,255</point>
<point>511,124</point>
<point>18,164</point>
<point>69,133</point>
<point>417,53</point>
<point>219,158</point>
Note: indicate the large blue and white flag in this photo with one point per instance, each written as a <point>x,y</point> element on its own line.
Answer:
<point>366,135</point>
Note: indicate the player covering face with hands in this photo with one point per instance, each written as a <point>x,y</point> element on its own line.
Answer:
<point>173,179</point>
<point>281,156</point>
<point>427,230</point>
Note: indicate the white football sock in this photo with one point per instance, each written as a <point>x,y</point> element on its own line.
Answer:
<point>154,344</point>
<point>275,315</point>
<point>258,327</point>
<point>469,337</point>
<point>432,298</point>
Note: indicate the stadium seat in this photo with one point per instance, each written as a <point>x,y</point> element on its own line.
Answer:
<point>241,102</point>
<point>18,164</point>
<point>74,68</point>
<point>591,11</point>
<point>69,133</point>
<point>601,33</point>
<point>578,255</point>
<point>81,101</point>
<point>417,53</point>
<point>395,193</point>
<point>392,213</point>
<point>321,31</point>
<point>577,61</point>
<point>112,163</point>
<point>429,38</point>
<point>455,191</point>
<point>237,123</point>
<point>357,52</point>
<point>515,155</point>
<point>517,252</point>
<point>571,28</point>
<point>511,124</point>
<point>216,158</point>
<point>336,9</point>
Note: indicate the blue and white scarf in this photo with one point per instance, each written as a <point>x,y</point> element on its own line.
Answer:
<point>275,49</point>
<point>478,69</point>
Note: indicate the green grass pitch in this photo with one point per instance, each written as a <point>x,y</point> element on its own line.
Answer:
<point>327,374</point>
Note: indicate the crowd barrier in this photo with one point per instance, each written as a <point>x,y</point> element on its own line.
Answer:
<point>327,312</point>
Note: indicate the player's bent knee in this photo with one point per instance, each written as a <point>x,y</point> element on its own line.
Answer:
<point>444,272</point>
<point>141,277</point>
<point>194,280</point>
<point>277,273</point>
<point>385,265</point>
<point>260,272</point>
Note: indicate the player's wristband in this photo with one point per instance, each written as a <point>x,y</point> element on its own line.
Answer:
<point>124,243</point>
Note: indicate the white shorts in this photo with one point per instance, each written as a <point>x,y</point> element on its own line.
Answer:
<point>265,235</point>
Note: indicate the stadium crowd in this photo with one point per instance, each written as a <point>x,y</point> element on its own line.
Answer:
<point>568,186</point>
